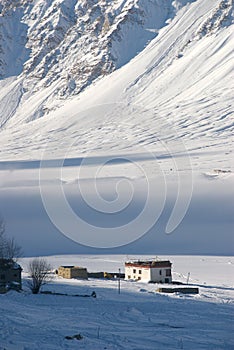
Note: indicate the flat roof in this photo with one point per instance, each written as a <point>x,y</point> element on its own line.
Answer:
<point>73,267</point>
<point>149,263</point>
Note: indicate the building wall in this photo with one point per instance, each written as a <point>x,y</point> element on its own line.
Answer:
<point>137,273</point>
<point>9,276</point>
<point>160,275</point>
<point>64,272</point>
<point>79,273</point>
<point>72,272</point>
<point>145,275</point>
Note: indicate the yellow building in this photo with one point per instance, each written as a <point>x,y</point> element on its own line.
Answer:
<point>73,272</point>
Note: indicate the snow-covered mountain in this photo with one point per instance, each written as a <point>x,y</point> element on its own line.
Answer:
<point>73,42</point>
<point>69,44</point>
<point>174,58</point>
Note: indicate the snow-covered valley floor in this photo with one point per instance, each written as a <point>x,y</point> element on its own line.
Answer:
<point>118,200</point>
<point>138,318</point>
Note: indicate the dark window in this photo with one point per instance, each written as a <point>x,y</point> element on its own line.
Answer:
<point>168,272</point>
<point>2,277</point>
<point>140,272</point>
<point>160,272</point>
<point>139,278</point>
<point>134,270</point>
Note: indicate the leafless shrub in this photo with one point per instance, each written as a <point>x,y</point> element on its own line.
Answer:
<point>39,272</point>
<point>9,249</point>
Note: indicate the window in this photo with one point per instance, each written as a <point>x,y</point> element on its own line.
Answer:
<point>139,272</point>
<point>168,272</point>
<point>2,277</point>
<point>129,277</point>
<point>134,270</point>
<point>160,272</point>
<point>139,278</point>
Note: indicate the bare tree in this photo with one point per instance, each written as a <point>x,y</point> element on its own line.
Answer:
<point>39,270</point>
<point>13,250</point>
<point>9,249</point>
<point>2,242</point>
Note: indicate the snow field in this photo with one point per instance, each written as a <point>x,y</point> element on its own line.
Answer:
<point>137,318</point>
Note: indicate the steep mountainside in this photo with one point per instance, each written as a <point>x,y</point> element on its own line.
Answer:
<point>174,58</point>
<point>72,43</point>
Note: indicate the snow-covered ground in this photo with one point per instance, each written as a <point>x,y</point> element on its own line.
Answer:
<point>116,129</point>
<point>138,318</point>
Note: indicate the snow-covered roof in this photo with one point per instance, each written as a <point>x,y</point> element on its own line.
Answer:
<point>16,266</point>
<point>149,263</point>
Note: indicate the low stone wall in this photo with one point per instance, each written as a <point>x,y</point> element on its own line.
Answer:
<point>184,290</point>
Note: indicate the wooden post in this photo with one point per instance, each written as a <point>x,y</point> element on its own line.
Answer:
<point>188,277</point>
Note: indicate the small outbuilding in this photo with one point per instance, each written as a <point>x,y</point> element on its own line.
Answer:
<point>158,271</point>
<point>73,272</point>
<point>10,275</point>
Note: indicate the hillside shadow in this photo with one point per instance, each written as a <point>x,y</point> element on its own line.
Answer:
<point>13,41</point>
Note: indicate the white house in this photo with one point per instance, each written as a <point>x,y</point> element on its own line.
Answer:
<point>148,271</point>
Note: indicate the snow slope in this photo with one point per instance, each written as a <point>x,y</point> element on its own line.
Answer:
<point>183,78</point>
<point>72,43</point>
<point>137,318</point>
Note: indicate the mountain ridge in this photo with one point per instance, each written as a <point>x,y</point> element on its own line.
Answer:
<point>182,74</point>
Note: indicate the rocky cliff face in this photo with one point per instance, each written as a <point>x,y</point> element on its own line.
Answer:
<point>73,42</point>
